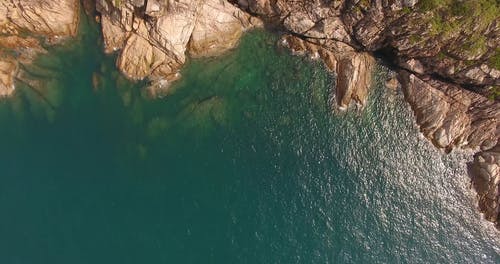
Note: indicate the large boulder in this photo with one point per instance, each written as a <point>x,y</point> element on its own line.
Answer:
<point>353,70</point>
<point>156,36</point>
<point>46,18</point>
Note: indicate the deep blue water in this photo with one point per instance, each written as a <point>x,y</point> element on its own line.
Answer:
<point>243,162</point>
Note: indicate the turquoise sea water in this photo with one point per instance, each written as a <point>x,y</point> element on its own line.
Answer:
<point>243,162</point>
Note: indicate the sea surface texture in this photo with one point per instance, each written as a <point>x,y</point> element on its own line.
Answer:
<point>242,162</point>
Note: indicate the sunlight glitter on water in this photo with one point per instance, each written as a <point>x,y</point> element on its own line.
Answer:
<point>240,164</point>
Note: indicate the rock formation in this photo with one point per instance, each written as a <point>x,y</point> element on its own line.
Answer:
<point>442,42</point>
<point>439,48</point>
<point>445,52</point>
<point>154,37</point>
<point>352,69</point>
<point>437,41</point>
<point>46,18</point>
<point>451,116</point>
<point>8,70</point>
<point>486,178</point>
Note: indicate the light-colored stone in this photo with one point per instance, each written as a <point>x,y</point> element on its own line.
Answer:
<point>219,26</point>
<point>155,45</point>
<point>113,35</point>
<point>352,69</point>
<point>354,78</point>
<point>45,17</point>
<point>450,116</point>
<point>139,58</point>
<point>8,71</point>
<point>153,8</point>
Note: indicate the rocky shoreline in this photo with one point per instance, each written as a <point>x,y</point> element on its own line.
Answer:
<point>154,37</point>
<point>25,26</point>
<point>446,62</point>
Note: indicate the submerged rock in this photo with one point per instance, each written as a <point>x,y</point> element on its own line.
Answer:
<point>8,71</point>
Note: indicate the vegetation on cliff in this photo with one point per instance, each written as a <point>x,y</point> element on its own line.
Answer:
<point>451,18</point>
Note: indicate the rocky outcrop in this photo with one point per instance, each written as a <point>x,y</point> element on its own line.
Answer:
<point>53,20</point>
<point>486,179</point>
<point>354,78</point>
<point>41,17</point>
<point>441,41</point>
<point>218,28</point>
<point>450,116</point>
<point>154,37</point>
<point>352,69</point>
<point>8,71</point>
<point>25,50</point>
<point>439,52</point>
<point>441,49</point>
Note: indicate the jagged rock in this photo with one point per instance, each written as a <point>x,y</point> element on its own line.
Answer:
<point>216,29</point>
<point>139,58</point>
<point>354,78</point>
<point>113,35</point>
<point>353,69</point>
<point>46,18</point>
<point>153,8</point>
<point>8,71</point>
<point>413,65</point>
<point>485,170</point>
<point>155,43</point>
<point>174,27</point>
<point>395,27</point>
<point>451,116</point>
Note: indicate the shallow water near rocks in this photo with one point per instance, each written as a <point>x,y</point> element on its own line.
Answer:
<point>243,162</point>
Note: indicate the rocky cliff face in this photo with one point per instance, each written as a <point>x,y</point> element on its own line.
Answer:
<point>451,116</point>
<point>441,49</point>
<point>456,41</point>
<point>438,47</point>
<point>445,52</point>
<point>43,18</point>
<point>154,36</point>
